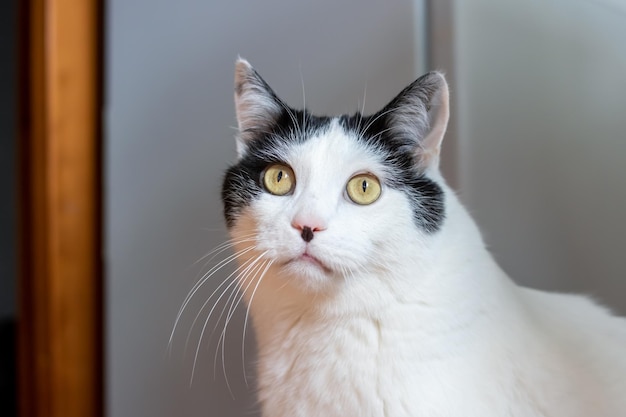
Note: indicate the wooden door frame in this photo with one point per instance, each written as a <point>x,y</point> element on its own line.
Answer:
<point>60,349</point>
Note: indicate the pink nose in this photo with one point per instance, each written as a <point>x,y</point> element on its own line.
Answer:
<point>307,228</point>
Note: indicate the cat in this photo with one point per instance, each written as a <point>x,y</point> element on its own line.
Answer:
<point>369,286</point>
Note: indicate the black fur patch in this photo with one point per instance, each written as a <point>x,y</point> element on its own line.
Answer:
<point>425,195</point>
<point>242,182</point>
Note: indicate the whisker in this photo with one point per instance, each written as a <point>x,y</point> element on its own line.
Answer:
<point>249,273</point>
<point>226,245</point>
<point>303,103</point>
<point>364,96</point>
<point>220,249</point>
<point>252,275</point>
<point>195,360</point>
<point>378,116</point>
<point>381,132</point>
<point>358,126</point>
<point>242,278</point>
<point>290,113</point>
<point>200,283</point>
<point>245,265</point>
<point>245,322</point>
<point>246,279</point>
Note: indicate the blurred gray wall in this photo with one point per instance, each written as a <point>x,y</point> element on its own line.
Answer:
<point>169,137</point>
<point>540,93</point>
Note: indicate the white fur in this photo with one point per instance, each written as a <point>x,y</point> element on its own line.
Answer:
<point>392,321</point>
<point>410,324</point>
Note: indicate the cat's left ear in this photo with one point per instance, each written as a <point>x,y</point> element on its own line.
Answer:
<point>256,104</point>
<point>419,114</point>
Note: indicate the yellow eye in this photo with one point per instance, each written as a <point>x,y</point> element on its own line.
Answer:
<point>279,179</point>
<point>363,189</point>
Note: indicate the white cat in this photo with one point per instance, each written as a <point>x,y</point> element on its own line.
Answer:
<point>370,288</point>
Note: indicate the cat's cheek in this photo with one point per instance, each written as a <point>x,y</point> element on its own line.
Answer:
<point>380,232</point>
<point>252,229</point>
<point>243,227</point>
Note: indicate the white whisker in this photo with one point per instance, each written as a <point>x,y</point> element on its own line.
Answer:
<point>234,281</point>
<point>364,96</point>
<point>222,338</point>
<point>378,116</point>
<point>242,278</point>
<point>303,103</point>
<point>221,248</point>
<point>244,266</point>
<point>381,132</point>
<point>290,113</point>
<point>245,322</point>
<point>361,114</point>
<point>248,274</point>
<point>200,283</point>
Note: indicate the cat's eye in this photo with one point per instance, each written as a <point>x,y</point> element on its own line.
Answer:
<point>363,189</point>
<point>279,179</point>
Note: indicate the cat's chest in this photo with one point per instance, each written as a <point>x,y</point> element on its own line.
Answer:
<point>359,366</point>
<point>396,367</point>
<point>328,369</point>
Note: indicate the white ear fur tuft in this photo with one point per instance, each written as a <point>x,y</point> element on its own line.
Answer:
<point>256,105</point>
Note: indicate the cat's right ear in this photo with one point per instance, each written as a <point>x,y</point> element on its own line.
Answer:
<point>256,105</point>
<point>420,114</point>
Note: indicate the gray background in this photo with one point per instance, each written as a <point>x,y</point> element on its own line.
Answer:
<point>541,97</point>
<point>537,152</point>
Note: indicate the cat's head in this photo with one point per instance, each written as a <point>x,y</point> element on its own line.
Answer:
<point>328,198</point>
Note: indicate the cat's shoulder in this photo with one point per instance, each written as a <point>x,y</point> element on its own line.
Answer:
<point>576,319</point>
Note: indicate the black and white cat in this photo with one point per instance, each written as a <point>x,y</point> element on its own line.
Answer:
<point>370,288</point>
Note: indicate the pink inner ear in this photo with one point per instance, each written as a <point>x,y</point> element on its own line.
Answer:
<point>256,105</point>
<point>438,113</point>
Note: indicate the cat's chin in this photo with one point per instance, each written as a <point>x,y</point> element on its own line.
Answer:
<point>308,273</point>
<point>307,261</point>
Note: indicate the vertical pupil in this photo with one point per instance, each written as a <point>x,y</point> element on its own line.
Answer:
<point>280,176</point>
<point>364,185</point>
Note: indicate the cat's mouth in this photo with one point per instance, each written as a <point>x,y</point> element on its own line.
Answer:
<point>307,259</point>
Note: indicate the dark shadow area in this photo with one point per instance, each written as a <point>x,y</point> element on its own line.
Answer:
<point>8,253</point>
<point>8,392</point>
